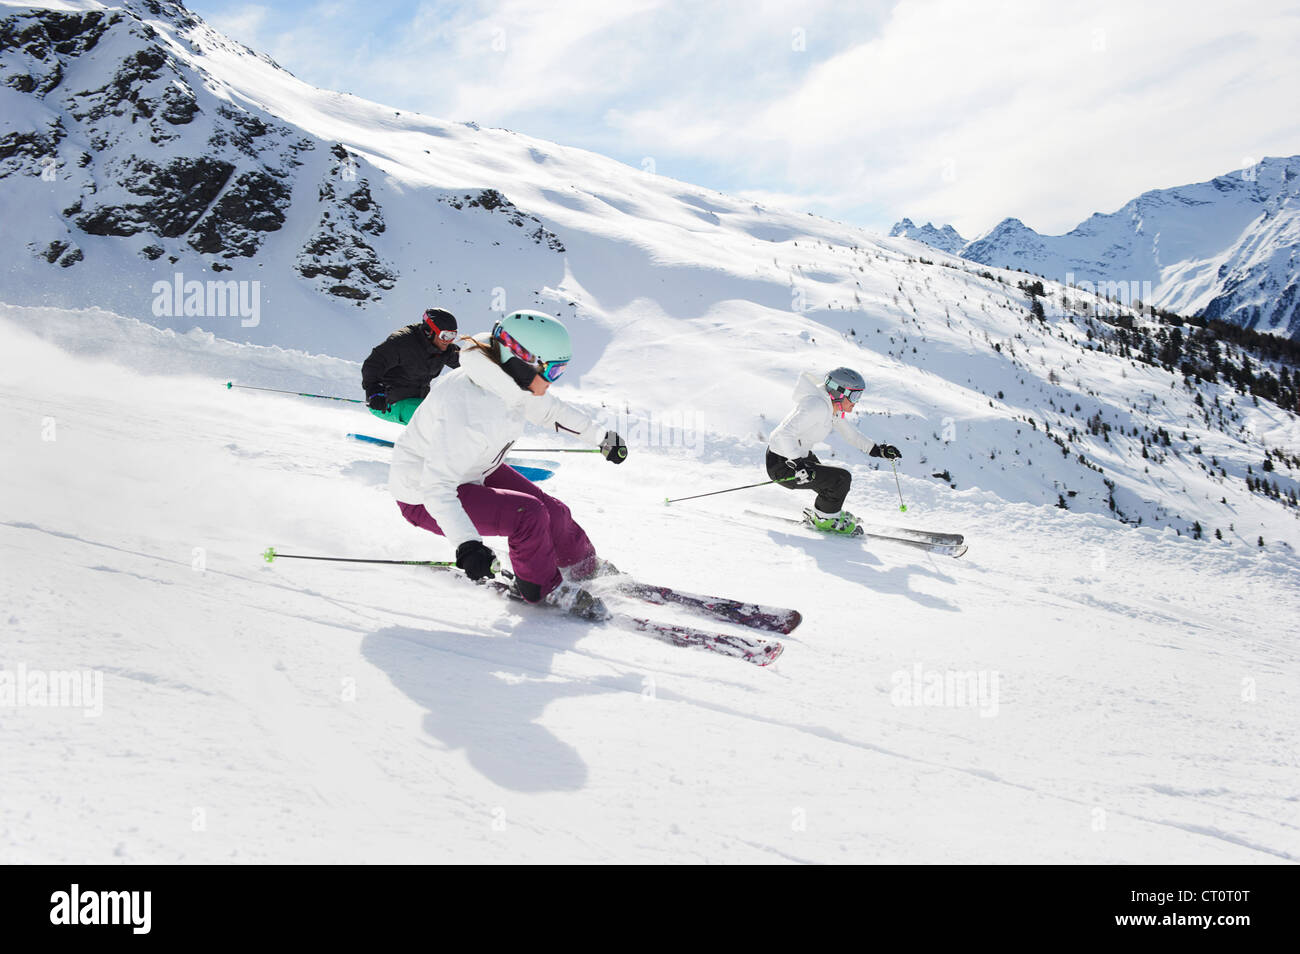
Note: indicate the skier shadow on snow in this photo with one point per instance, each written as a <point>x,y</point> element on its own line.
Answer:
<point>483,695</point>
<point>864,567</point>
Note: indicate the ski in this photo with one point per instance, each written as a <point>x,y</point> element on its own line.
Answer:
<point>367,439</point>
<point>909,533</point>
<point>532,471</point>
<point>771,619</point>
<point>760,652</point>
<point>944,549</point>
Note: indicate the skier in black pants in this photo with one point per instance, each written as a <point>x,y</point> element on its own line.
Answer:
<point>820,406</point>
<point>396,376</point>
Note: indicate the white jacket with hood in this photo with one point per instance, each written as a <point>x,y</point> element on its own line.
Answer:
<point>811,421</point>
<point>462,431</point>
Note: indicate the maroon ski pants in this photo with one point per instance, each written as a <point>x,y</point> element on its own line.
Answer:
<point>542,533</point>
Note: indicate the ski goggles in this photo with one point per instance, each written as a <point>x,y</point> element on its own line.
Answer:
<point>549,370</point>
<point>852,395</point>
<point>447,335</point>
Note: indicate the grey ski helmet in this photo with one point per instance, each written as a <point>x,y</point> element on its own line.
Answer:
<point>845,383</point>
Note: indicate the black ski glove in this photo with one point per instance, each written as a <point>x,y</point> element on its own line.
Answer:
<point>613,447</point>
<point>887,451</point>
<point>803,471</point>
<point>377,401</point>
<point>475,559</point>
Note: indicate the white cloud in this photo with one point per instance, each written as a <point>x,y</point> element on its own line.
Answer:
<point>963,114</point>
<point>243,23</point>
<point>940,109</point>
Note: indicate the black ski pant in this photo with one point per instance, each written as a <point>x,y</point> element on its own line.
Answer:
<point>830,483</point>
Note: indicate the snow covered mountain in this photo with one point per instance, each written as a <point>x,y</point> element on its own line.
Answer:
<point>1227,249</point>
<point>156,170</point>
<point>180,212</point>
<point>140,146</point>
<point>946,238</point>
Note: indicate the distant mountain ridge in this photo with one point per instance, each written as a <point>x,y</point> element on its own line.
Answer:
<point>946,238</point>
<point>1228,248</point>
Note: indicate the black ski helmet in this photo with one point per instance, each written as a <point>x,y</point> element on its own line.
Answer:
<point>440,323</point>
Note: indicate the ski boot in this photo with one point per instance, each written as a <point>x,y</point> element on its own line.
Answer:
<point>843,523</point>
<point>590,568</point>
<point>576,601</point>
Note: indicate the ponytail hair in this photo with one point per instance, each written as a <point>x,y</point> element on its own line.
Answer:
<point>519,371</point>
<point>492,349</point>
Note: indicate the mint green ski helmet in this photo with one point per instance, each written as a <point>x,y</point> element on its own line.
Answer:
<point>538,340</point>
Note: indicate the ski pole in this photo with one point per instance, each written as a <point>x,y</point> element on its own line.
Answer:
<point>901,506</point>
<point>328,397</point>
<point>270,555</point>
<point>566,450</point>
<point>778,480</point>
<point>559,450</point>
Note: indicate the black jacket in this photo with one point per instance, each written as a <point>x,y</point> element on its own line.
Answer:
<point>404,364</point>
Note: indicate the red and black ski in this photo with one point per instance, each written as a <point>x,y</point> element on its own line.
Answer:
<point>768,619</point>
<point>760,652</point>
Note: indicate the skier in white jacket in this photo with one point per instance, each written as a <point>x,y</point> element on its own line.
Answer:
<point>447,472</point>
<point>821,404</point>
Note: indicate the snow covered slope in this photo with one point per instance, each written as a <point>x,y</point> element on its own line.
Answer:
<point>1224,249</point>
<point>305,712</point>
<point>1138,688</point>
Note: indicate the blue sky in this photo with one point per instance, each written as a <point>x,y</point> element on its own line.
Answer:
<point>942,110</point>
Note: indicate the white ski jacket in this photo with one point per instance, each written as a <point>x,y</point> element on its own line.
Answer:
<point>811,421</point>
<point>461,433</point>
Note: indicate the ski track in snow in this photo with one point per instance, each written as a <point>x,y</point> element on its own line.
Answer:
<point>309,712</point>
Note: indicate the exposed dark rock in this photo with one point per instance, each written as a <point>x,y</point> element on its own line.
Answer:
<point>40,34</point>
<point>121,96</point>
<point>347,291</point>
<point>65,253</point>
<point>253,205</point>
<point>179,194</point>
<point>179,106</point>
<point>241,130</point>
<point>491,200</point>
<point>25,153</point>
<point>544,236</point>
<point>337,249</point>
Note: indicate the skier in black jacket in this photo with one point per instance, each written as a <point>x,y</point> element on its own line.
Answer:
<point>396,376</point>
